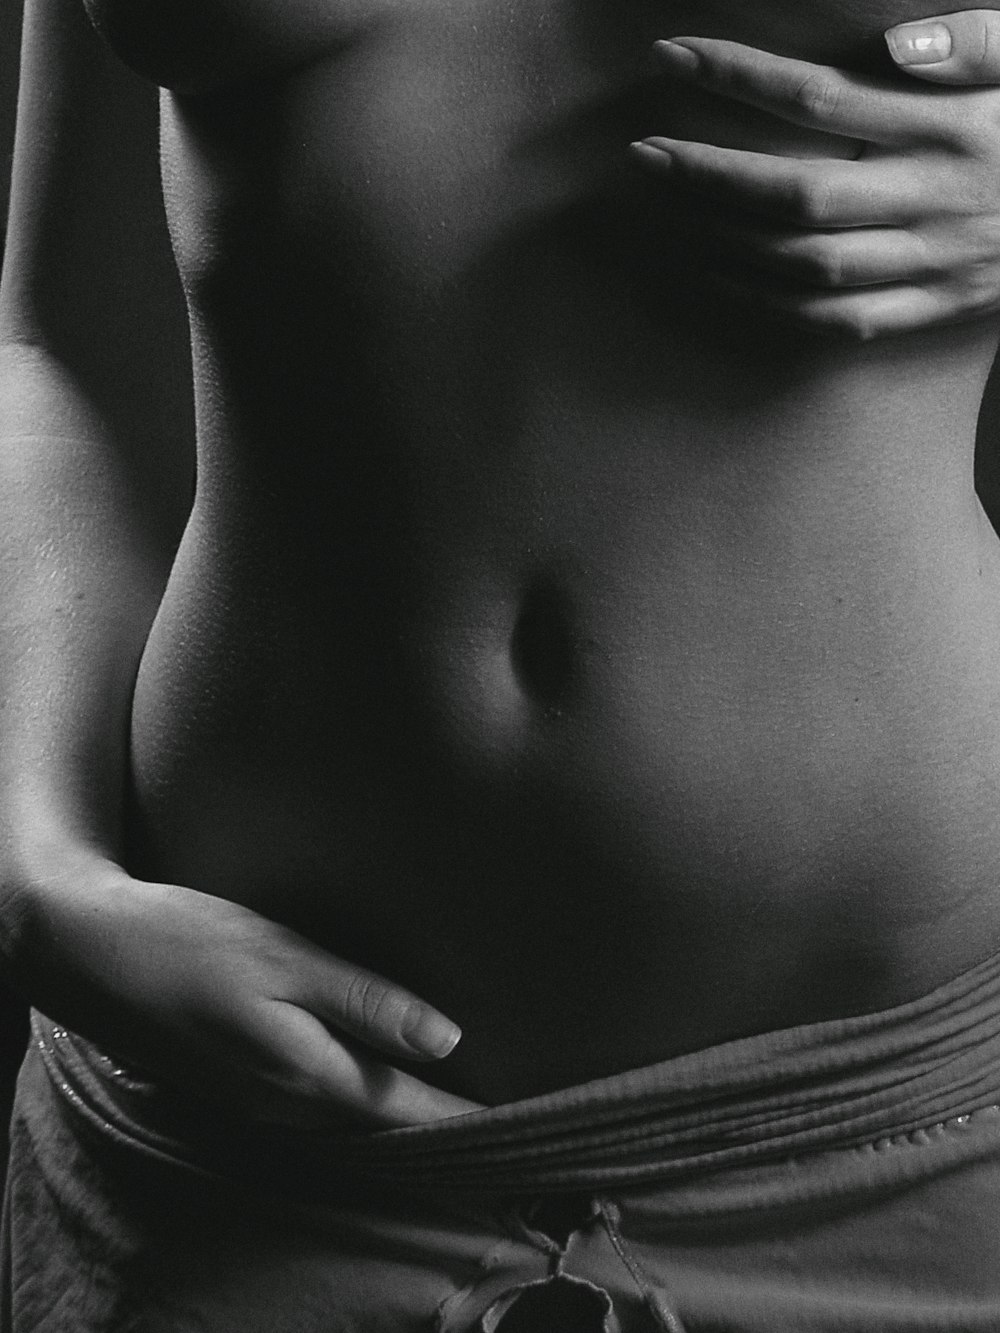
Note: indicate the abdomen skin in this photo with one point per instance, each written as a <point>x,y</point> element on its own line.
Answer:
<point>614,668</point>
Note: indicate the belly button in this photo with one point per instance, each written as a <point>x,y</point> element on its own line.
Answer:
<point>542,649</point>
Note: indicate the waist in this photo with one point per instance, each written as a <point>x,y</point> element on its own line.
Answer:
<point>571,939</point>
<point>583,794</point>
<point>764,1099</point>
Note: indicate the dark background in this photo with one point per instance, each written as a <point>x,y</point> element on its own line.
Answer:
<point>10,41</point>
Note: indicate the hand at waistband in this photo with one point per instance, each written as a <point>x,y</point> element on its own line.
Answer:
<point>223,1004</point>
<point>903,235</point>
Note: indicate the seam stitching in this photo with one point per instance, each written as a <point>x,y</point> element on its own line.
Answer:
<point>665,1318</point>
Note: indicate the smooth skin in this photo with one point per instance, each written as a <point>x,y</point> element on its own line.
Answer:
<point>198,988</point>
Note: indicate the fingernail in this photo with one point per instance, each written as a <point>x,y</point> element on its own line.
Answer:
<point>680,60</point>
<point>431,1034</point>
<point>919,43</point>
<point>653,152</point>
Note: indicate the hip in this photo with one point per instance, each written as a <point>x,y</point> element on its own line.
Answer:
<point>842,1177</point>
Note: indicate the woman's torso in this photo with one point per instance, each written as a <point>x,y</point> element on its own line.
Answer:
<point>609,666</point>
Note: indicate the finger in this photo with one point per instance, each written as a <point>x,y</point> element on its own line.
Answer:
<point>807,193</point>
<point>955,49</point>
<point>324,1081</point>
<point>365,1006</point>
<point>864,257</point>
<point>813,96</point>
<point>860,315</point>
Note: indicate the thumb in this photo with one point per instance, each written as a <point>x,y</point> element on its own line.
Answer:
<point>959,49</point>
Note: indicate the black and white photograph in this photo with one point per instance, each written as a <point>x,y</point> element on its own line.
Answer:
<point>499,666</point>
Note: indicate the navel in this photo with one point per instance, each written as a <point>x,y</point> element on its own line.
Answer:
<point>542,649</point>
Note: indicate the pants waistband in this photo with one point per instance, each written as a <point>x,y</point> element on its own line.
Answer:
<point>763,1098</point>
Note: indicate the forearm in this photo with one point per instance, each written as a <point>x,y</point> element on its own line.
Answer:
<point>82,568</point>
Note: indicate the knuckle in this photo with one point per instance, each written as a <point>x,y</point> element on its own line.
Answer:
<point>379,1088</point>
<point>855,325</point>
<point>978,288</point>
<point>822,264</point>
<point>372,1007</point>
<point>852,323</point>
<point>989,49</point>
<point>863,330</point>
<point>364,1002</point>
<point>818,96</point>
<point>926,253</point>
<point>808,201</point>
<point>831,270</point>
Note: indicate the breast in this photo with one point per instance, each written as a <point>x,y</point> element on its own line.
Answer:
<point>848,33</point>
<point>197,45</point>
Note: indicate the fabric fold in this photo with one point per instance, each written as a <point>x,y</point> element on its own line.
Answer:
<point>777,1095</point>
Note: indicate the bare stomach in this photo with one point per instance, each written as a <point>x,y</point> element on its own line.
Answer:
<point>598,787</point>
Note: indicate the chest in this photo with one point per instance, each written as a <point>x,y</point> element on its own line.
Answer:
<point>391,136</point>
<point>199,45</point>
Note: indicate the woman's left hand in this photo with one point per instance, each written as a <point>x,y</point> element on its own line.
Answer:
<point>906,236</point>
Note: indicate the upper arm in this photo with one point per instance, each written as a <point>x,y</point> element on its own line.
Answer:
<point>90,296</point>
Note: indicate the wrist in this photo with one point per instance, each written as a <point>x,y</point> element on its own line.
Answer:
<point>47,861</point>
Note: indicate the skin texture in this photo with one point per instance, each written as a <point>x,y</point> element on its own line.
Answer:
<point>97,481</point>
<point>540,620</point>
<point>574,738</point>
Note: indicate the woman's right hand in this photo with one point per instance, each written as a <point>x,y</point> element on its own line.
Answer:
<point>222,1002</point>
